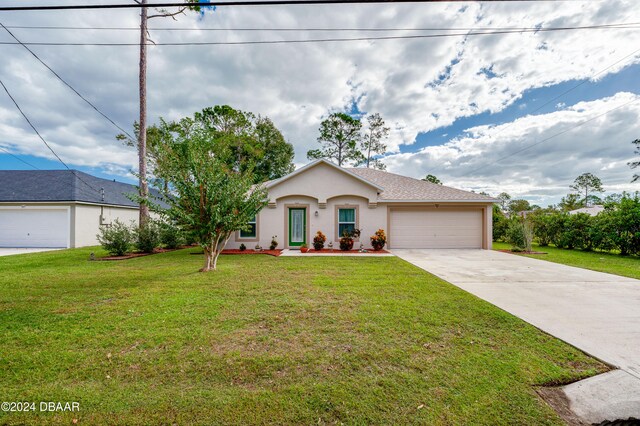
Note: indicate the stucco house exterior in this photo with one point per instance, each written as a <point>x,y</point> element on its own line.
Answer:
<point>324,197</point>
<point>59,208</point>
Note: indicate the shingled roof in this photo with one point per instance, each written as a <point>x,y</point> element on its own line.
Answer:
<point>403,188</point>
<point>62,185</point>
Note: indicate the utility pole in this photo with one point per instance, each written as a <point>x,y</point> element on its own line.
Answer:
<point>142,135</point>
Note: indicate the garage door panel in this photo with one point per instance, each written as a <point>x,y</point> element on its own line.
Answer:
<point>436,229</point>
<point>46,228</point>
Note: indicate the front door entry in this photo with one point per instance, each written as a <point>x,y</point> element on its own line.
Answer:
<point>297,226</point>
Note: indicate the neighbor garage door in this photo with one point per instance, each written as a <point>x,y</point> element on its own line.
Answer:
<point>435,228</point>
<point>34,228</point>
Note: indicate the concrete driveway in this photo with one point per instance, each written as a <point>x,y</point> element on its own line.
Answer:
<point>596,312</point>
<point>12,251</point>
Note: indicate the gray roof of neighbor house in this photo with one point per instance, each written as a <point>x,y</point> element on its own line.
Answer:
<point>62,185</point>
<point>403,188</point>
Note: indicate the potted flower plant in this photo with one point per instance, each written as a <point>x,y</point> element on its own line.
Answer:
<point>319,240</point>
<point>348,236</point>
<point>304,248</point>
<point>378,240</point>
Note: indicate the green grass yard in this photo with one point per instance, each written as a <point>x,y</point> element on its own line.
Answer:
<point>612,263</point>
<point>266,340</point>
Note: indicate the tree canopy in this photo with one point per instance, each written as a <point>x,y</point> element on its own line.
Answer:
<point>586,183</point>
<point>241,139</point>
<point>432,179</point>
<point>208,195</point>
<point>343,142</point>
<point>372,142</point>
<point>339,138</point>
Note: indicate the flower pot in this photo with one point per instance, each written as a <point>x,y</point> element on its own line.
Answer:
<point>304,249</point>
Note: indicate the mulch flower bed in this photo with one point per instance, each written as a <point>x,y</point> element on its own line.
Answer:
<point>276,252</point>
<point>325,250</point>
<point>137,254</point>
<point>521,252</point>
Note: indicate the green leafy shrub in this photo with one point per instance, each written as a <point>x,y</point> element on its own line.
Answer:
<point>621,225</point>
<point>500,224</point>
<point>147,237</point>
<point>243,247</point>
<point>544,227</point>
<point>116,238</point>
<point>274,243</point>
<point>519,234</point>
<point>171,236</point>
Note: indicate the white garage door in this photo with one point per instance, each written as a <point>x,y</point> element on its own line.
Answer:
<point>47,228</point>
<point>415,228</point>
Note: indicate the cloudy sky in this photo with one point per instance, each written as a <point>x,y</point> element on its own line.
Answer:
<point>524,113</point>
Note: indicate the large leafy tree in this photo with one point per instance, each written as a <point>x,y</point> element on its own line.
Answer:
<point>276,159</point>
<point>517,206</point>
<point>207,196</point>
<point>634,164</point>
<point>587,183</point>
<point>372,142</point>
<point>242,140</point>
<point>339,137</point>
<point>432,179</point>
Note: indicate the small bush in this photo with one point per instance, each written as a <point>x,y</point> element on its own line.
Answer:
<point>171,236</point>
<point>378,240</point>
<point>319,240</point>
<point>274,243</point>
<point>116,238</point>
<point>520,235</point>
<point>243,247</point>
<point>148,237</point>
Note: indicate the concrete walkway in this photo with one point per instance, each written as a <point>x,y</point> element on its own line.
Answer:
<point>12,251</point>
<point>596,312</point>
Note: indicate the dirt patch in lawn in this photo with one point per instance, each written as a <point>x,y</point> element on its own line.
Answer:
<point>521,252</point>
<point>556,399</point>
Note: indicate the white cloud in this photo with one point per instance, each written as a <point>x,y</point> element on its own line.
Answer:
<point>546,164</point>
<point>417,85</point>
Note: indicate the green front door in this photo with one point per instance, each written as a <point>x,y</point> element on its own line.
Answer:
<point>297,227</point>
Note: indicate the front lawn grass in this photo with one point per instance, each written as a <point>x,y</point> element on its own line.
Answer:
<point>266,340</point>
<point>612,263</point>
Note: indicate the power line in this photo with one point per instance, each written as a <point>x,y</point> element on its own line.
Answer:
<point>235,3</point>
<point>18,158</point>
<point>41,138</point>
<point>300,41</point>
<point>503,128</point>
<point>553,136</point>
<point>319,29</point>
<point>66,83</point>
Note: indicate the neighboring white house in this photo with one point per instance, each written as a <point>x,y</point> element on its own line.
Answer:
<point>324,197</point>
<point>591,210</point>
<point>59,208</point>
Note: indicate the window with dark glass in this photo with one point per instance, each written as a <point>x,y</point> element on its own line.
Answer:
<point>251,231</point>
<point>346,220</point>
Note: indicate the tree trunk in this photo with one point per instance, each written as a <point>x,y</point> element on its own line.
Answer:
<point>208,258</point>
<point>142,136</point>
